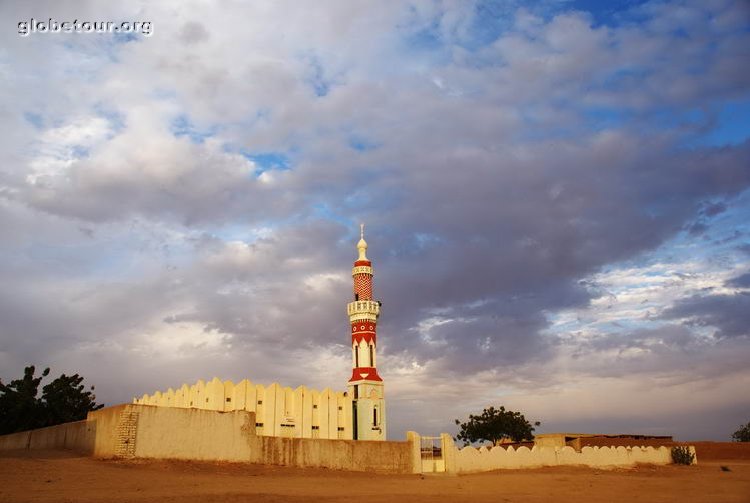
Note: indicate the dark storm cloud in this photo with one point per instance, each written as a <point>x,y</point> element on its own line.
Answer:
<point>729,314</point>
<point>268,292</point>
<point>530,230</point>
<point>713,209</point>
<point>666,338</point>
<point>664,352</point>
<point>742,281</point>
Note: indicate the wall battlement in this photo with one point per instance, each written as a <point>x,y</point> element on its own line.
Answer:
<point>470,459</point>
<point>280,411</point>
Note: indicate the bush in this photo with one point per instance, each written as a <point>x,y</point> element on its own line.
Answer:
<point>743,434</point>
<point>682,456</point>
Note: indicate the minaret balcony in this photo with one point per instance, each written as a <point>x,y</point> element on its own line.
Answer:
<point>362,269</point>
<point>367,308</point>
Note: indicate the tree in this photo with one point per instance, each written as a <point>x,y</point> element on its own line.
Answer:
<point>19,406</point>
<point>494,425</point>
<point>743,434</point>
<point>65,400</point>
<point>62,400</point>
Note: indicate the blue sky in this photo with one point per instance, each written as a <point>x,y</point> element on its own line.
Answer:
<point>556,197</point>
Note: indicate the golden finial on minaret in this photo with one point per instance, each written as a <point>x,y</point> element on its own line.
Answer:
<point>362,244</point>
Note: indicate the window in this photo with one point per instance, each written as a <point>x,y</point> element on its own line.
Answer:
<point>316,427</point>
<point>375,416</point>
<point>315,406</point>
<point>372,358</point>
<point>340,407</point>
<point>356,391</point>
<point>340,428</point>
<point>356,296</point>
<point>356,356</point>
<point>260,402</point>
<point>229,400</point>
<point>259,425</point>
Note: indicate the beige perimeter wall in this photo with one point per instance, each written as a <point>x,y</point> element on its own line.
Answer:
<point>469,459</point>
<point>77,436</point>
<point>143,431</point>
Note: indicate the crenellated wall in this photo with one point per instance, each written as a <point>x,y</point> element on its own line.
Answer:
<point>279,411</point>
<point>470,459</point>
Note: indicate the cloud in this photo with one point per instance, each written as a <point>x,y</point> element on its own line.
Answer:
<point>729,314</point>
<point>742,281</point>
<point>525,180</point>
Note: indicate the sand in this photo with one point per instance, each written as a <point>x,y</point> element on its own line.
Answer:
<point>60,477</point>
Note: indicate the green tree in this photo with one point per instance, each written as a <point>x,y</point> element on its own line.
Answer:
<point>65,400</point>
<point>743,434</point>
<point>494,425</point>
<point>19,405</point>
<point>62,400</point>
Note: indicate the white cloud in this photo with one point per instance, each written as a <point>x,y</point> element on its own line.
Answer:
<point>58,148</point>
<point>134,223</point>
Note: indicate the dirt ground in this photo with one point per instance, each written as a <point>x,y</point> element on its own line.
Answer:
<point>64,477</point>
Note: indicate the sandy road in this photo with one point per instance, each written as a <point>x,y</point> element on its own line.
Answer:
<point>61,477</point>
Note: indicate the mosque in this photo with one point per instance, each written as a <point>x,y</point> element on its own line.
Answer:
<point>303,427</point>
<point>356,414</point>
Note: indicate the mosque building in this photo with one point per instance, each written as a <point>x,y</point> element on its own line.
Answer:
<point>356,414</point>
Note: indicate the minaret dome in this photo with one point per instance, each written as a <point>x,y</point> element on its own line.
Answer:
<point>362,244</point>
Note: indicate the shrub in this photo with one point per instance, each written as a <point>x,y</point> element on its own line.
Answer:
<point>682,455</point>
<point>743,434</point>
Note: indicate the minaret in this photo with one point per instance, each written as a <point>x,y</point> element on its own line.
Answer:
<point>365,385</point>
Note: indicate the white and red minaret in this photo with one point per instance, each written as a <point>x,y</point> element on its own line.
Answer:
<point>365,385</point>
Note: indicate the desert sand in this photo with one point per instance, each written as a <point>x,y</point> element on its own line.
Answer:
<point>65,477</point>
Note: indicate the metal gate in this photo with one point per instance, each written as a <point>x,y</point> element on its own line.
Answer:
<point>432,455</point>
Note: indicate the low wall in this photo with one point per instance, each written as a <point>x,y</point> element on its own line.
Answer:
<point>171,433</point>
<point>15,441</point>
<point>722,451</point>
<point>77,436</point>
<point>470,459</point>
<point>144,431</point>
<point>353,455</point>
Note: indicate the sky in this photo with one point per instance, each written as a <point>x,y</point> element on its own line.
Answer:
<point>556,197</point>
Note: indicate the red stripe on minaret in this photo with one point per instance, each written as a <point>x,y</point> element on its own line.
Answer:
<point>368,337</point>
<point>365,374</point>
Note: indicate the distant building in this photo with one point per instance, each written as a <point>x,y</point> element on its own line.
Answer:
<point>580,440</point>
